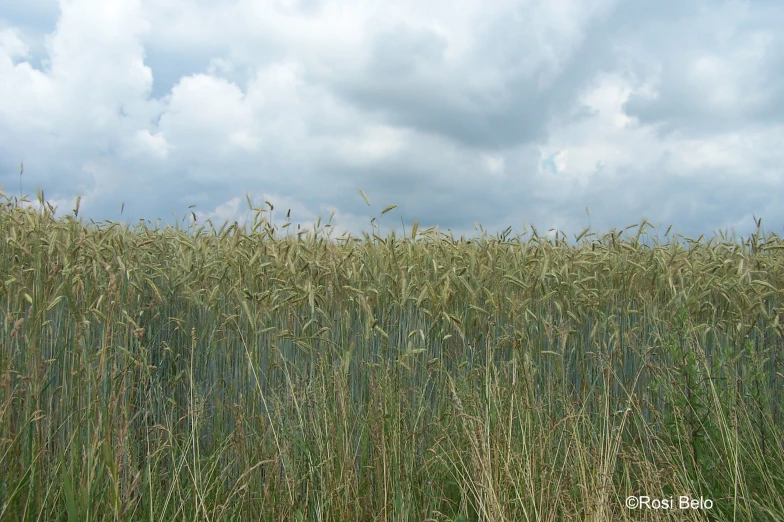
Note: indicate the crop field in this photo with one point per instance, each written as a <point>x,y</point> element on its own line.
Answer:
<point>250,373</point>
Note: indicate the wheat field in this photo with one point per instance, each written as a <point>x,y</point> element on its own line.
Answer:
<point>245,374</point>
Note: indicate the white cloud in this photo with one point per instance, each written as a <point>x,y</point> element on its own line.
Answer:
<point>494,164</point>
<point>373,144</point>
<point>12,47</point>
<point>207,111</point>
<point>144,143</point>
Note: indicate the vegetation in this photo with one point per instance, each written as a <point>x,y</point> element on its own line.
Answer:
<point>170,374</point>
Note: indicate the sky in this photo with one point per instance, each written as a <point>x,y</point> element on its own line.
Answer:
<point>469,115</point>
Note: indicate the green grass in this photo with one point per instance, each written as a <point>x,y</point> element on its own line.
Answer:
<point>168,374</point>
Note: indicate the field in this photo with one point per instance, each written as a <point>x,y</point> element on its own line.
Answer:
<point>246,374</point>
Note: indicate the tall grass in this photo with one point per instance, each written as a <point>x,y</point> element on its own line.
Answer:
<point>164,374</point>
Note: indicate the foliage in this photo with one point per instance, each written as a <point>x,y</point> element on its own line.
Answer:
<point>165,374</point>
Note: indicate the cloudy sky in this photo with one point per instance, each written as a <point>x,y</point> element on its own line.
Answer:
<point>463,114</point>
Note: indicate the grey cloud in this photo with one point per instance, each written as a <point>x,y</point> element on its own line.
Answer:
<point>738,36</point>
<point>408,82</point>
<point>504,93</point>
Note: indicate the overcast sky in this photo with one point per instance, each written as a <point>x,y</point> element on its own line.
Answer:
<point>503,113</point>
